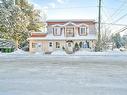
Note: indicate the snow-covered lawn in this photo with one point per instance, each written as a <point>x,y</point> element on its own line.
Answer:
<point>59,53</point>
<point>62,75</point>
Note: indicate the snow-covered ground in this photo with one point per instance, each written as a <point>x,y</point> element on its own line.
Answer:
<point>59,53</point>
<point>33,74</point>
<point>115,52</point>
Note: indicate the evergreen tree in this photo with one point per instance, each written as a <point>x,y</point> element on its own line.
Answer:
<point>34,17</point>
<point>124,40</point>
<point>80,44</point>
<point>13,21</point>
<point>17,19</point>
<point>117,40</point>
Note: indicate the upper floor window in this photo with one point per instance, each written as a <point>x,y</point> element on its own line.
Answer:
<point>70,32</point>
<point>57,31</point>
<point>83,31</point>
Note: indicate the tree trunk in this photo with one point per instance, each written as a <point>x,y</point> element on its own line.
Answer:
<point>17,44</point>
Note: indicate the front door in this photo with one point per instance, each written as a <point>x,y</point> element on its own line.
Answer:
<point>70,46</point>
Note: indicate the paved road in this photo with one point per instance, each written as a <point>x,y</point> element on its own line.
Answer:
<point>74,75</point>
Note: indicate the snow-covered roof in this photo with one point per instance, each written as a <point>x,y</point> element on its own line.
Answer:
<point>66,24</point>
<point>73,20</point>
<point>88,37</point>
<point>69,24</point>
<point>38,32</point>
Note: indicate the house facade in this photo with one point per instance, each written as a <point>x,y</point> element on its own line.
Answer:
<point>68,35</point>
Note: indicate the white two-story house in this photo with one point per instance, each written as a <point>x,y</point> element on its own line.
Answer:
<point>68,35</point>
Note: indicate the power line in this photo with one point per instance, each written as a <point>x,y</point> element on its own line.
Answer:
<point>117,11</point>
<point>120,18</point>
<point>123,29</point>
<point>106,15</point>
<point>120,30</point>
<point>113,24</point>
<point>121,1</point>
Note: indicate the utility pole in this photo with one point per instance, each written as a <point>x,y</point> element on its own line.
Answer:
<point>99,28</point>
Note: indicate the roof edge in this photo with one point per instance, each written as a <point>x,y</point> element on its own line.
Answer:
<point>66,20</point>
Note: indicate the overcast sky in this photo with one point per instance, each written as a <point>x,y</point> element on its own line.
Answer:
<point>112,10</point>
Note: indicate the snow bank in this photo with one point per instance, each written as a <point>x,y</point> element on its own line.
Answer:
<point>39,53</point>
<point>82,52</point>
<point>19,51</point>
<point>63,53</point>
<point>116,50</point>
<point>59,52</point>
<point>106,53</point>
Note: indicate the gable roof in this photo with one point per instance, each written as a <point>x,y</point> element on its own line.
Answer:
<point>74,21</point>
<point>71,20</point>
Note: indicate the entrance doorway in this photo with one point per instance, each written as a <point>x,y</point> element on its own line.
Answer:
<point>69,46</point>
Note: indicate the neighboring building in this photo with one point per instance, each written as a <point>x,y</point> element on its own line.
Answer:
<point>64,34</point>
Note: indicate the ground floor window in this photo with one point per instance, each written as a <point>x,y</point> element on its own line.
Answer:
<point>38,45</point>
<point>50,44</point>
<point>33,45</point>
<point>57,45</point>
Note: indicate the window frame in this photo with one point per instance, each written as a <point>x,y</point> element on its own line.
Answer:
<point>50,44</point>
<point>34,45</point>
<point>57,31</point>
<point>70,31</point>
<point>83,31</point>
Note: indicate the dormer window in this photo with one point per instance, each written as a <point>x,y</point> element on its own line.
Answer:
<point>83,31</point>
<point>57,31</point>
